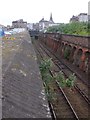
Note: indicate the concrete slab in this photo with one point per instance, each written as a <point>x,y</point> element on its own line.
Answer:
<point>23,91</point>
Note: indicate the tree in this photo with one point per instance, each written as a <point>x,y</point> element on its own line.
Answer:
<point>74,28</point>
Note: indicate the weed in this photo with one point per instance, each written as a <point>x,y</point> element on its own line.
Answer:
<point>45,66</point>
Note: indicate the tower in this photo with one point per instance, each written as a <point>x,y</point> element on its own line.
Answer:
<point>51,19</point>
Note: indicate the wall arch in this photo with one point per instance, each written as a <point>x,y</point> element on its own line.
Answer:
<point>78,57</point>
<point>87,61</point>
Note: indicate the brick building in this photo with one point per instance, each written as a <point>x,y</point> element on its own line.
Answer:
<point>19,24</point>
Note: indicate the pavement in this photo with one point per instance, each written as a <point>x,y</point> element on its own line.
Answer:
<point>23,94</point>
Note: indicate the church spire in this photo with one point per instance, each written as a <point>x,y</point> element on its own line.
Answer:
<point>51,19</point>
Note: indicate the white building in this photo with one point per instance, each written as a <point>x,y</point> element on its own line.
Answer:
<point>44,24</point>
<point>83,17</point>
<point>54,24</point>
<point>30,26</point>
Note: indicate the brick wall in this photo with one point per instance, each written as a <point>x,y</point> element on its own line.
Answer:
<point>77,40</point>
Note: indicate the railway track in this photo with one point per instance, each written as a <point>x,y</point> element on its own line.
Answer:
<point>63,100</point>
<point>59,61</point>
<point>63,67</point>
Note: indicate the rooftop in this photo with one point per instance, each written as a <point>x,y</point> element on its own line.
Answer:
<point>82,14</point>
<point>42,20</point>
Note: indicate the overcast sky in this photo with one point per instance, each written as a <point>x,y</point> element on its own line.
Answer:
<point>33,10</point>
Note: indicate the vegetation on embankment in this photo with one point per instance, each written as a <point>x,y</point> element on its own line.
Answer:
<point>74,28</point>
